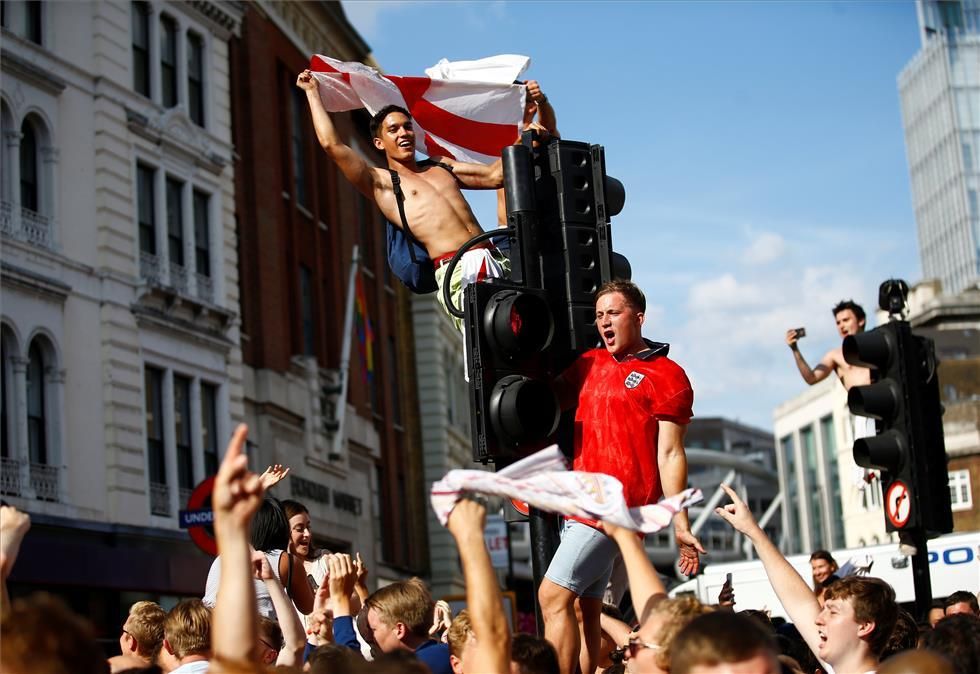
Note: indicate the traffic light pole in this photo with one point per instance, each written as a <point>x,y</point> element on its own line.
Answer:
<point>544,542</point>
<point>921,580</point>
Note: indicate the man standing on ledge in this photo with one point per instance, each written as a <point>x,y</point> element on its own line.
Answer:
<point>434,207</point>
<point>633,406</point>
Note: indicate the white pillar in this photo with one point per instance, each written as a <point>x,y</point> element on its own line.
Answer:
<point>12,139</point>
<point>187,231</point>
<point>160,216</point>
<point>55,417</point>
<point>182,67</point>
<point>21,447</point>
<point>49,192</point>
<point>170,441</point>
<point>154,55</point>
<point>196,424</point>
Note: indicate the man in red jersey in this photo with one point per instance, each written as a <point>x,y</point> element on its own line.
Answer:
<point>633,404</point>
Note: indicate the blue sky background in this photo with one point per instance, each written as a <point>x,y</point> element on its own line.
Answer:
<point>761,148</point>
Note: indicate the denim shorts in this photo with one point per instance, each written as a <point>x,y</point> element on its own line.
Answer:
<point>583,561</point>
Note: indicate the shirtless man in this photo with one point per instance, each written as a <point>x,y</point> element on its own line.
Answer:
<point>850,321</point>
<point>438,215</point>
<point>535,104</point>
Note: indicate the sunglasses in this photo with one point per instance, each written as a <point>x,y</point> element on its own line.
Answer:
<point>635,645</point>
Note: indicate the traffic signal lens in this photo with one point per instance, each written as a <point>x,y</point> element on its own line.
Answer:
<point>518,323</point>
<point>523,410</point>
<point>878,400</point>
<point>883,452</point>
<point>875,349</point>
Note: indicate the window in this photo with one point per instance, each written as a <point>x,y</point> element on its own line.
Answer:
<point>182,428</point>
<point>146,209</point>
<point>32,9</point>
<point>168,61</point>
<point>813,487</point>
<point>36,436</point>
<point>175,221</point>
<point>141,48</point>
<point>209,427</point>
<point>202,235</point>
<point>788,449</point>
<point>153,382</point>
<point>299,147</point>
<point>28,167</point>
<point>195,78</point>
<point>833,479</point>
<point>960,490</point>
<point>306,310</point>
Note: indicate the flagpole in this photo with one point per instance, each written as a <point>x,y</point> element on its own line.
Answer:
<point>338,438</point>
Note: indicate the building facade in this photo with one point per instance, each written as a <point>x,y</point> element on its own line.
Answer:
<point>121,360</point>
<point>940,90</point>
<point>299,222</point>
<point>829,502</point>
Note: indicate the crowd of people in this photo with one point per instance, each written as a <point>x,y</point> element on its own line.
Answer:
<point>251,620</point>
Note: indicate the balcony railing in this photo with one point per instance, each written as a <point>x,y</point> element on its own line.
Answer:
<point>205,288</point>
<point>159,499</point>
<point>10,482</point>
<point>36,228</point>
<point>183,495</point>
<point>45,481</point>
<point>178,278</point>
<point>27,225</point>
<point>150,269</point>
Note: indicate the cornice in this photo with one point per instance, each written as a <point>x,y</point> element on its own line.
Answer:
<point>174,131</point>
<point>42,78</point>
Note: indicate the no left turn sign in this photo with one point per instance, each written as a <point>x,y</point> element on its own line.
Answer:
<point>898,504</point>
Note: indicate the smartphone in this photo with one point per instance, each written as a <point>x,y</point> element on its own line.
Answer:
<point>800,333</point>
<point>728,579</point>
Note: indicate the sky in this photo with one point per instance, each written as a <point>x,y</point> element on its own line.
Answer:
<point>760,144</point>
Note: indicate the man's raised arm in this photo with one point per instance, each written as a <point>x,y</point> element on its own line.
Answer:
<point>476,176</point>
<point>814,375</point>
<point>351,164</point>
<point>793,592</point>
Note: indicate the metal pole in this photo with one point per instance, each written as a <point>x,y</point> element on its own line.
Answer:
<point>338,438</point>
<point>544,542</point>
<point>920,574</point>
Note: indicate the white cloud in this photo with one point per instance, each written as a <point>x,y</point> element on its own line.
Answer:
<point>363,14</point>
<point>766,248</point>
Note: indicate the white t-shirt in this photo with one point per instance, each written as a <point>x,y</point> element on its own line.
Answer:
<point>262,598</point>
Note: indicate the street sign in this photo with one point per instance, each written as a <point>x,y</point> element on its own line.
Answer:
<point>495,536</point>
<point>198,517</point>
<point>898,504</point>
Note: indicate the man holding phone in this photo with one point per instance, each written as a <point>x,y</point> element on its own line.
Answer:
<point>850,320</point>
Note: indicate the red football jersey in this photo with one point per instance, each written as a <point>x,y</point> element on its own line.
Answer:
<point>616,422</point>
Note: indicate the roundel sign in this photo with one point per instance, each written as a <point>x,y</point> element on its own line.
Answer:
<point>198,517</point>
<point>898,504</point>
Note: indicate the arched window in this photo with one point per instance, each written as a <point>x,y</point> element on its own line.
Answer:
<point>28,167</point>
<point>36,426</point>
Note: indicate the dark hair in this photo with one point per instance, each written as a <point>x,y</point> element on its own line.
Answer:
<point>380,115</point>
<point>41,635</point>
<point>293,508</point>
<point>533,655</point>
<point>629,290</point>
<point>270,631</point>
<point>719,637</point>
<point>958,638</point>
<point>270,528</point>
<point>962,596</point>
<point>904,637</point>
<point>844,305</point>
<point>824,555</point>
<point>331,659</point>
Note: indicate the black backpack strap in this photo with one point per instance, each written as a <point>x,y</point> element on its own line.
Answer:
<point>396,187</point>
<point>435,162</point>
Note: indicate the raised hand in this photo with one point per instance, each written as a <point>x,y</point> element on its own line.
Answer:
<point>273,475</point>
<point>14,525</point>
<point>442,618</point>
<point>468,517</point>
<point>237,491</point>
<point>737,513</point>
<point>306,81</point>
<point>342,579</point>
<point>261,568</point>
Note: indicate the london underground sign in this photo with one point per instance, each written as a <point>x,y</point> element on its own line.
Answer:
<point>198,517</point>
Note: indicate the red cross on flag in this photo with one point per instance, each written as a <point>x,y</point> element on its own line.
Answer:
<point>465,120</point>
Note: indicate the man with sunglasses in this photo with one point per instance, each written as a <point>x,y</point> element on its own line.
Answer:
<point>632,407</point>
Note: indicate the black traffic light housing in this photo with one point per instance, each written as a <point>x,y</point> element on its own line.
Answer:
<point>909,447</point>
<point>508,330</point>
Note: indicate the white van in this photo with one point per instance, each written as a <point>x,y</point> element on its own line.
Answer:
<point>954,564</point>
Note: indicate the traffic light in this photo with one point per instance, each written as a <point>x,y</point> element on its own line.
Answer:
<point>575,200</point>
<point>908,448</point>
<point>508,331</point>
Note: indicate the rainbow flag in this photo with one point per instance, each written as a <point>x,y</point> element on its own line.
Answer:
<point>365,332</point>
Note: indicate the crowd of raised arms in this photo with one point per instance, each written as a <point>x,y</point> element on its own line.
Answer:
<point>251,621</point>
